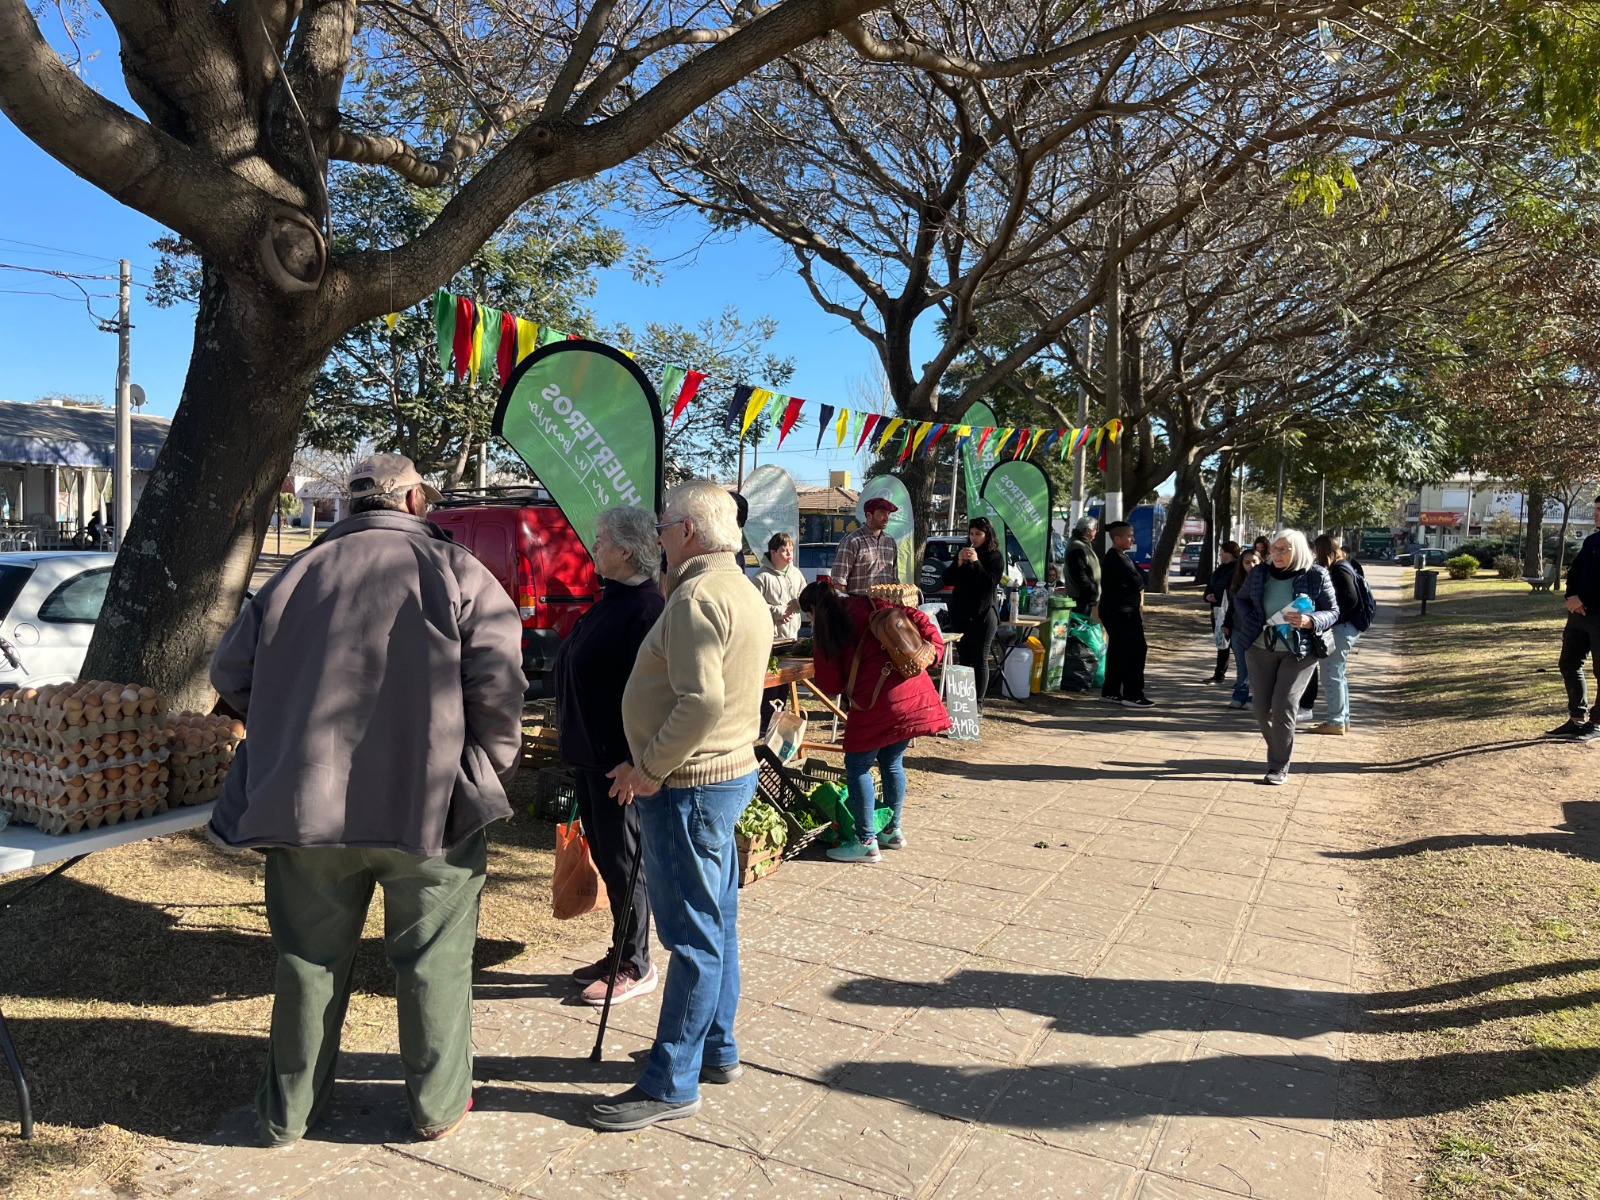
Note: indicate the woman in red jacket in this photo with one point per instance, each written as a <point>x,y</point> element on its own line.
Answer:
<point>876,730</point>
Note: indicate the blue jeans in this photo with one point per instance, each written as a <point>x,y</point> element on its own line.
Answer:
<point>1241,683</point>
<point>692,870</point>
<point>863,800</point>
<point>1335,682</point>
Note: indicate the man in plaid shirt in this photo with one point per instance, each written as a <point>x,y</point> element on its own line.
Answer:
<point>868,556</point>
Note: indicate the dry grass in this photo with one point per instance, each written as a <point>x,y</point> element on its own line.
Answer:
<point>138,990</point>
<point>1484,904</point>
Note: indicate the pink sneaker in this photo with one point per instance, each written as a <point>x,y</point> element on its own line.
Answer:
<point>629,987</point>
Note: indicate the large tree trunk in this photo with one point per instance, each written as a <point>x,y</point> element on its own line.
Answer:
<point>1177,512</point>
<point>1533,545</point>
<point>186,562</point>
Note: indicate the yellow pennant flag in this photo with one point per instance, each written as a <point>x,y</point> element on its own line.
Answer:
<point>1037,434</point>
<point>1002,436</point>
<point>963,431</point>
<point>923,430</point>
<point>841,426</point>
<point>527,337</point>
<point>475,358</point>
<point>1114,428</point>
<point>390,320</point>
<point>889,431</point>
<point>752,409</point>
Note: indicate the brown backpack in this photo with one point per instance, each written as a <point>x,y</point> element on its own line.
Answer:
<point>910,654</point>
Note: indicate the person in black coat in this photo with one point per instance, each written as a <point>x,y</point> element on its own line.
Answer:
<point>1122,585</point>
<point>975,577</point>
<point>1580,639</point>
<point>591,670</point>
<point>1218,597</point>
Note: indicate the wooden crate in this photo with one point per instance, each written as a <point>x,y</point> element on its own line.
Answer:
<point>756,861</point>
<point>539,743</point>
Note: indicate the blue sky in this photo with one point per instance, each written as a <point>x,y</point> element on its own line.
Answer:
<point>49,343</point>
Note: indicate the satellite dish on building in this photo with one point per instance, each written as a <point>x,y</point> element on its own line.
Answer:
<point>136,395</point>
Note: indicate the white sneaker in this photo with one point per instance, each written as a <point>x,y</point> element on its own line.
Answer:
<point>1304,715</point>
<point>856,852</point>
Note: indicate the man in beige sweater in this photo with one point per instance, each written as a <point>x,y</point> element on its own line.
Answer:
<point>691,713</point>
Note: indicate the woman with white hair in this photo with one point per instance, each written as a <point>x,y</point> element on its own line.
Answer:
<point>1282,654</point>
<point>591,669</point>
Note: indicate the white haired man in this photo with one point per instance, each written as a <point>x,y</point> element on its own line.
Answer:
<point>691,714</point>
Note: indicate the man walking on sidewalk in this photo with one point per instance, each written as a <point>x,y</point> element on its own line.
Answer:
<point>381,674</point>
<point>1581,638</point>
<point>1122,613</point>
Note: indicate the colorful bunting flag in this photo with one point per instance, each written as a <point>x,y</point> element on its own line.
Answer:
<point>465,335</point>
<point>752,409</point>
<point>672,377</point>
<point>1037,434</point>
<point>868,424</point>
<point>842,427</point>
<point>527,338</point>
<point>923,430</point>
<point>691,385</point>
<point>391,319</point>
<point>736,407</point>
<point>488,357</point>
<point>824,415</point>
<point>889,431</point>
<point>791,414</point>
<point>506,359</point>
<point>444,326</point>
<point>982,438</point>
<point>906,450</point>
<point>933,438</point>
<point>1113,429</point>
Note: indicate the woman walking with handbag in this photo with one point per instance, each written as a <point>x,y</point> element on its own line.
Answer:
<point>1286,609</point>
<point>591,669</point>
<point>886,707</point>
<point>974,607</point>
<point>1332,670</point>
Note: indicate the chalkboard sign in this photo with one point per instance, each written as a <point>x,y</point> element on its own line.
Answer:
<point>961,702</point>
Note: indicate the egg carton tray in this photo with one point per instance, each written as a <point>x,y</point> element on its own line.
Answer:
<point>56,824</point>
<point>17,732</point>
<point>73,771</point>
<point>203,795</point>
<point>184,762</point>
<point>63,814</point>
<point>81,788</point>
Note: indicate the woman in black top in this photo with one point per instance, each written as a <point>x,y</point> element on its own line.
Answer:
<point>975,577</point>
<point>591,669</point>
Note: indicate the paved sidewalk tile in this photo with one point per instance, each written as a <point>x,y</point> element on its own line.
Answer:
<point>1110,965</point>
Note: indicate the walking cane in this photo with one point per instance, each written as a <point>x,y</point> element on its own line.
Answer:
<point>616,954</point>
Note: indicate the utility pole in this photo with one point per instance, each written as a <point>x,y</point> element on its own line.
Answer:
<point>483,466</point>
<point>1322,503</point>
<point>122,456</point>
<point>1079,478</point>
<point>955,482</point>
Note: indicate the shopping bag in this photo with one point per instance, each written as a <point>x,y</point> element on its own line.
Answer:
<point>1091,635</point>
<point>785,732</point>
<point>576,887</point>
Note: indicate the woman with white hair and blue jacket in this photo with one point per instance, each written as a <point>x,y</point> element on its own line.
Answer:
<point>1282,654</point>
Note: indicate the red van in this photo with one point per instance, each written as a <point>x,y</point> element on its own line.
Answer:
<point>526,543</point>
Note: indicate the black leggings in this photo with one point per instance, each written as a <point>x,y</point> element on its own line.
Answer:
<point>977,636</point>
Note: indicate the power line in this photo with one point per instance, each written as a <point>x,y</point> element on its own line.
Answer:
<point>57,250</point>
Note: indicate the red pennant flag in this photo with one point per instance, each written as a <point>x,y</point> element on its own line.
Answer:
<point>867,427</point>
<point>506,356</point>
<point>982,438</point>
<point>905,451</point>
<point>466,322</point>
<point>691,385</point>
<point>938,432</point>
<point>791,414</point>
<point>1022,440</point>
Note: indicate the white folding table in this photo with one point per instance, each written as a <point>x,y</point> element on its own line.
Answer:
<point>23,847</point>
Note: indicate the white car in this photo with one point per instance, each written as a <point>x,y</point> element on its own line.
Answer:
<point>49,602</point>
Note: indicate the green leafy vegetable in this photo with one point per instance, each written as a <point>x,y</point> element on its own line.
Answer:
<point>762,824</point>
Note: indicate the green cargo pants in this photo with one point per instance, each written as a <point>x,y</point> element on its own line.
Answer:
<point>317,902</point>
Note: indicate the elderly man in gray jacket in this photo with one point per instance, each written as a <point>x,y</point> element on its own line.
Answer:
<point>380,673</point>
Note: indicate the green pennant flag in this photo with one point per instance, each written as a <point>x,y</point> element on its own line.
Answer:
<point>444,327</point>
